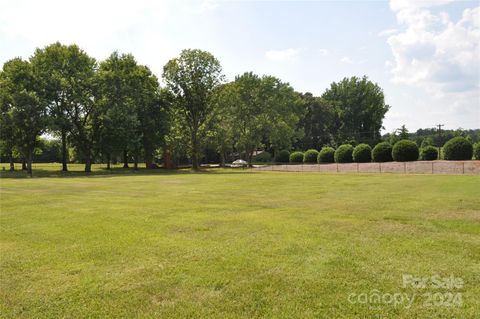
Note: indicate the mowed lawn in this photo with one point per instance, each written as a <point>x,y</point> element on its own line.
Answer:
<point>234,244</point>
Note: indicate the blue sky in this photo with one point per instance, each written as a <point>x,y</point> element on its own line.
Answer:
<point>424,54</point>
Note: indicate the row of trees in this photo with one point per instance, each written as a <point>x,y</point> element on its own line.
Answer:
<point>104,108</point>
<point>117,108</point>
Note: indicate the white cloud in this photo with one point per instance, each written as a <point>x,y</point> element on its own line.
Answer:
<point>64,20</point>
<point>397,5</point>
<point>208,5</point>
<point>346,59</point>
<point>323,52</point>
<point>439,56</point>
<point>289,54</point>
<point>435,52</point>
<point>100,27</point>
<point>387,32</point>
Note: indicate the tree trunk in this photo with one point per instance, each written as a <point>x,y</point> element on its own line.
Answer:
<point>148,159</point>
<point>167,158</point>
<point>64,150</point>
<point>135,164</point>
<point>125,159</point>
<point>249,158</point>
<point>12,164</point>
<point>194,150</point>
<point>29,162</point>
<point>88,163</point>
<point>108,160</point>
<point>194,160</point>
<point>222,159</point>
<point>24,164</point>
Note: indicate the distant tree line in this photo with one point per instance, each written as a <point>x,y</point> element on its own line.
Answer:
<point>61,104</point>
<point>431,136</point>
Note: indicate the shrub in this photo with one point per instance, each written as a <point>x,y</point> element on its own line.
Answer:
<point>382,152</point>
<point>458,149</point>
<point>362,153</point>
<point>476,151</point>
<point>405,151</point>
<point>282,156</point>
<point>429,153</point>
<point>310,156</point>
<point>296,157</point>
<point>326,155</point>
<point>343,154</point>
<point>263,157</point>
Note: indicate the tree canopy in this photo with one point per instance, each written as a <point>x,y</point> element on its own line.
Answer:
<point>24,111</point>
<point>192,78</point>
<point>117,109</point>
<point>264,112</point>
<point>360,108</point>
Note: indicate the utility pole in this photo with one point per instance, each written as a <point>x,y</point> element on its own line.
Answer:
<point>439,130</point>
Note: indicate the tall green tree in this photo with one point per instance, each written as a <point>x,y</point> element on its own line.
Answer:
<point>317,123</point>
<point>360,109</point>
<point>248,113</point>
<point>192,78</point>
<point>61,68</point>
<point>7,130</point>
<point>265,113</point>
<point>117,118</point>
<point>220,133</point>
<point>177,140</point>
<point>78,107</point>
<point>151,104</point>
<point>284,111</point>
<point>23,106</point>
<point>403,132</point>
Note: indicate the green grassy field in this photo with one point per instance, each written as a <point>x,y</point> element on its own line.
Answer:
<point>235,244</point>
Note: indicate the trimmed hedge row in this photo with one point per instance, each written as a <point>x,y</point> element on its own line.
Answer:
<point>326,155</point>
<point>458,148</point>
<point>310,156</point>
<point>362,153</point>
<point>343,154</point>
<point>382,152</point>
<point>296,157</point>
<point>405,151</point>
<point>428,153</point>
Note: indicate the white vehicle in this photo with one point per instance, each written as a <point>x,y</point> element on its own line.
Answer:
<point>239,163</point>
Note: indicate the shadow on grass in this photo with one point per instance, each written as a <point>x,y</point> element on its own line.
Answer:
<point>103,172</point>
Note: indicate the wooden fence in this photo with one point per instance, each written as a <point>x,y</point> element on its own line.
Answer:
<point>418,167</point>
